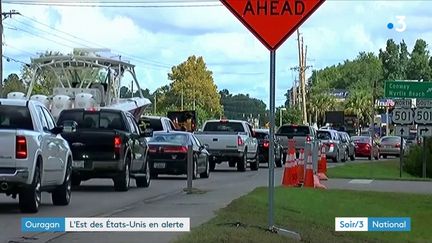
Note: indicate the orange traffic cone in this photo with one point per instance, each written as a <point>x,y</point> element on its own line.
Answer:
<point>286,179</point>
<point>301,167</point>
<point>322,165</point>
<point>309,175</point>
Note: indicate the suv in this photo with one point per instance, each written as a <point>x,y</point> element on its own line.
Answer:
<point>301,134</point>
<point>33,156</point>
<point>156,124</point>
<point>335,149</point>
<point>349,145</point>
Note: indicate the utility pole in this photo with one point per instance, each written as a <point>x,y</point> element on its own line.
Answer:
<point>3,17</point>
<point>302,75</point>
<point>155,100</point>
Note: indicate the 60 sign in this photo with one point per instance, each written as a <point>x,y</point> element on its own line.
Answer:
<point>423,116</point>
<point>402,116</point>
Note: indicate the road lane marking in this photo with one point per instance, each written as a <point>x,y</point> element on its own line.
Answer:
<point>360,181</point>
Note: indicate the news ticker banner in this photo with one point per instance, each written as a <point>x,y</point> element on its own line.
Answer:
<point>105,224</point>
<point>372,224</point>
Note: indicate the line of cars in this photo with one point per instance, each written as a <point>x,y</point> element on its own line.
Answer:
<point>38,153</point>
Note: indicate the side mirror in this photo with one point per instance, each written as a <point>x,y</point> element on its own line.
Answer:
<point>69,126</point>
<point>148,132</point>
<point>57,130</point>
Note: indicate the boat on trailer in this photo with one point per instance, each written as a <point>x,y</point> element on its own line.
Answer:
<point>75,89</point>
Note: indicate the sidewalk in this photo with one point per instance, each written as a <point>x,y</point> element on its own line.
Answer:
<point>422,187</point>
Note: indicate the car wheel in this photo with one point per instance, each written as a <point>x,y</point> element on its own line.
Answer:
<point>336,159</point>
<point>352,157</point>
<point>206,173</point>
<point>62,194</point>
<point>122,182</point>
<point>384,156</point>
<point>255,164</point>
<point>144,181</point>
<point>241,164</point>
<point>195,169</point>
<point>279,160</point>
<point>30,197</point>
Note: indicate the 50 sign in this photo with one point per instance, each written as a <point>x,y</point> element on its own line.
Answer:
<point>423,116</point>
<point>402,116</point>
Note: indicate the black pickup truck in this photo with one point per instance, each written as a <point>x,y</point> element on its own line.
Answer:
<point>106,143</point>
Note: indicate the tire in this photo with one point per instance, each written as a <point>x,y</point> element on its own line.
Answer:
<point>144,181</point>
<point>154,175</point>
<point>279,161</point>
<point>232,164</point>
<point>195,169</point>
<point>212,165</point>
<point>122,182</point>
<point>255,165</point>
<point>76,181</point>
<point>30,197</point>
<point>337,158</point>
<point>206,173</point>
<point>352,157</point>
<point>384,156</point>
<point>241,164</point>
<point>370,157</point>
<point>62,195</point>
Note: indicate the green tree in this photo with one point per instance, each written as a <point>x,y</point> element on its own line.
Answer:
<point>404,57</point>
<point>390,59</point>
<point>242,106</point>
<point>418,66</point>
<point>13,84</point>
<point>359,103</point>
<point>289,116</point>
<point>193,83</point>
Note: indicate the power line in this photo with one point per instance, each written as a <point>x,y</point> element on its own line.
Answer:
<point>127,55</point>
<point>110,5</point>
<point>8,59</point>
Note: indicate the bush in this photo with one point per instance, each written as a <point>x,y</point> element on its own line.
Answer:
<point>413,161</point>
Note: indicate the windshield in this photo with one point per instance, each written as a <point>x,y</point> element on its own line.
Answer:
<point>15,117</point>
<point>172,138</point>
<point>361,139</point>
<point>390,139</point>
<point>223,127</point>
<point>294,130</point>
<point>155,124</point>
<point>93,119</point>
<point>324,135</point>
<point>261,135</point>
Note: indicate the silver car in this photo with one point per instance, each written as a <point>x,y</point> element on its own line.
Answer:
<point>391,145</point>
<point>335,149</point>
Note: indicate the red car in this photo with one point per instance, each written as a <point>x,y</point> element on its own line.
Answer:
<point>363,146</point>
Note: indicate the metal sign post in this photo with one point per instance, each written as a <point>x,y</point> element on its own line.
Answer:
<point>272,132</point>
<point>189,168</point>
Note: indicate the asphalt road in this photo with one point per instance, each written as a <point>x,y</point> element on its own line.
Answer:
<point>164,198</point>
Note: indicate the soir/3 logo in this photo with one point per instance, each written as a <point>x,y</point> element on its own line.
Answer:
<point>400,24</point>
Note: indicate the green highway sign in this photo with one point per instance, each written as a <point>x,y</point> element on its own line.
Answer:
<point>408,89</point>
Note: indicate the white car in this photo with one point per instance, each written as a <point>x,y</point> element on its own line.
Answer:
<point>33,156</point>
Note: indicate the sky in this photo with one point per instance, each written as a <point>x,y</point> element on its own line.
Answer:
<point>155,39</point>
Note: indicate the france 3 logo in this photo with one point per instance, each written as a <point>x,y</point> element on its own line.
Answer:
<point>399,26</point>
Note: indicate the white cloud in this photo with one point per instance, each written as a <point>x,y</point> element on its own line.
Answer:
<point>163,37</point>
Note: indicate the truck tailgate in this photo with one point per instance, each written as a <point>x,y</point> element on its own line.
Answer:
<point>219,141</point>
<point>7,148</point>
<point>92,145</point>
<point>299,141</point>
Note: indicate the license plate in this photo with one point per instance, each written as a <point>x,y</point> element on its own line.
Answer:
<point>78,164</point>
<point>159,165</point>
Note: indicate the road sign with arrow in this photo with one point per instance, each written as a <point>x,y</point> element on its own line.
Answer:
<point>424,131</point>
<point>402,131</point>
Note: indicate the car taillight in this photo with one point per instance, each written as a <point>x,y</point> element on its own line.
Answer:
<point>117,143</point>
<point>331,145</point>
<point>308,139</point>
<point>21,147</point>
<point>397,145</point>
<point>266,144</point>
<point>175,149</point>
<point>239,141</point>
<point>152,149</point>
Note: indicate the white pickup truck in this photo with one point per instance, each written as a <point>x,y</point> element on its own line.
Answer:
<point>33,156</point>
<point>232,141</point>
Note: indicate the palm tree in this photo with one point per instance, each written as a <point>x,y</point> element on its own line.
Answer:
<point>359,103</point>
